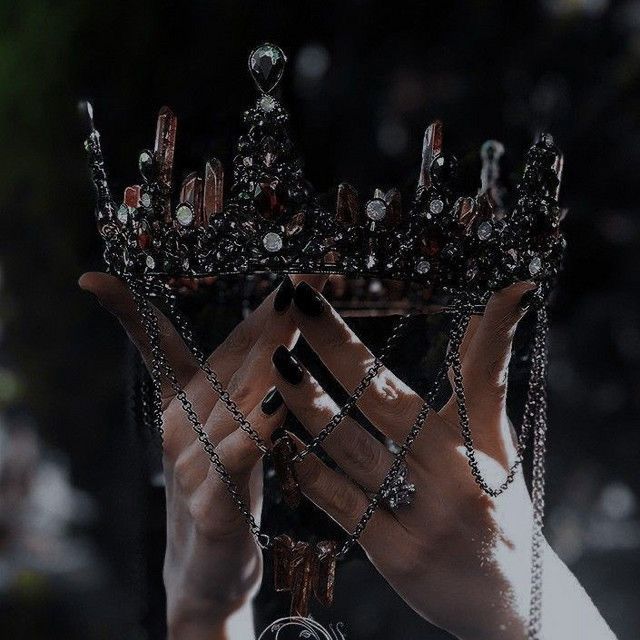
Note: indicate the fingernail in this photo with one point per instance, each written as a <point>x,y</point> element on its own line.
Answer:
<point>527,298</point>
<point>308,300</point>
<point>288,367</point>
<point>272,402</point>
<point>283,296</point>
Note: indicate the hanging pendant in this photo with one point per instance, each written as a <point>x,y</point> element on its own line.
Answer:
<point>304,570</point>
<point>266,65</point>
<point>283,453</point>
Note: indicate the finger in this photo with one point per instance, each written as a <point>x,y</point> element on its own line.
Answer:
<point>248,340</point>
<point>354,449</point>
<point>344,502</point>
<point>486,362</point>
<point>237,452</point>
<point>387,402</point>
<point>115,296</point>
<point>487,359</point>
<point>254,375</point>
<point>212,500</point>
<point>472,327</point>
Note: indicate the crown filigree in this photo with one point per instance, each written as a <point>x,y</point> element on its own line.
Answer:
<point>270,219</point>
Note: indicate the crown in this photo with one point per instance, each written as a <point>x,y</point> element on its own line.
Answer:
<point>270,219</point>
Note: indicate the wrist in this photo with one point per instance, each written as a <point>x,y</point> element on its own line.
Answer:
<point>188,621</point>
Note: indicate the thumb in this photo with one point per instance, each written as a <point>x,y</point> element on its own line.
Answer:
<point>486,363</point>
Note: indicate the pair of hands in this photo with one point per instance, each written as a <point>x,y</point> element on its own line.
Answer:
<point>459,558</point>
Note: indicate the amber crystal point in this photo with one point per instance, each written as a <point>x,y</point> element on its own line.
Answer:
<point>283,452</point>
<point>165,145</point>
<point>213,188</point>
<point>348,205</point>
<point>394,206</point>
<point>431,147</point>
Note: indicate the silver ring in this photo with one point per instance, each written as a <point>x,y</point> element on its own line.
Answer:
<point>399,492</point>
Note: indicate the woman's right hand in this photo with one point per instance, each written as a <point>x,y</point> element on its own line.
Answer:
<point>212,563</point>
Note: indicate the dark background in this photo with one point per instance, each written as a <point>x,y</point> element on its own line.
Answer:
<point>80,554</point>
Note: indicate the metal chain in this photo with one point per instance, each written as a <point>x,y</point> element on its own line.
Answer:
<point>187,334</point>
<point>458,327</point>
<point>189,339</point>
<point>362,386</point>
<point>535,410</point>
<point>537,496</point>
<point>150,323</point>
<point>535,394</point>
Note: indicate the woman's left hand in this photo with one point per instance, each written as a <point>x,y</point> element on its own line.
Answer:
<point>458,557</point>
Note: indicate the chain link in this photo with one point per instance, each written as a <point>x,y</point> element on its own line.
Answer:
<point>456,333</point>
<point>535,393</point>
<point>538,493</point>
<point>535,412</point>
<point>159,360</point>
<point>187,334</point>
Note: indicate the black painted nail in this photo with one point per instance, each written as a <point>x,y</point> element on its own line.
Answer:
<point>308,300</point>
<point>288,367</point>
<point>283,296</point>
<point>527,298</point>
<point>272,402</point>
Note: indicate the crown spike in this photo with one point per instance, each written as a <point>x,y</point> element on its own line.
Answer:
<point>164,150</point>
<point>394,206</point>
<point>431,147</point>
<point>490,153</point>
<point>348,205</point>
<point>558,166</point>
<point>105,207</point>
<point>213,189</point>
<point>191,193</point>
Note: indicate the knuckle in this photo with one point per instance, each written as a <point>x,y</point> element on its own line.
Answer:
<point>391,400</point>
<point>363,454</point>
<point>341,500</point>
<point>336,336</point>
<point>308,473</point>
<point>238,342</point>
<point>239,389</point>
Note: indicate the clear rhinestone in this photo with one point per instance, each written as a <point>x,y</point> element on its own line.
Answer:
<point>535,266</point>
<point>511,260</point>
<point>376,209</point>
<point>423,267</point>
<point>185,264</point>
<point>123,214</point>
<point>272,242</point>
<point>436,206</point>
<point>184,214</point>
<point>150,262</point>
<point>147,165</point>
<point>267,104</point>
<point>484,230</point>
<point>145,200</point>
<point>547,139</point>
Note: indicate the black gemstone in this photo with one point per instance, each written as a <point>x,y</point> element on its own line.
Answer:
<point>266,64</point>
<point>148,166</point>
<point>444,169</point>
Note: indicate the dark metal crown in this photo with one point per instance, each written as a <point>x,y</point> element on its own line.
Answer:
<point>271,220</point>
